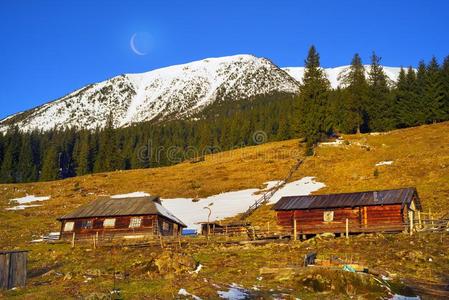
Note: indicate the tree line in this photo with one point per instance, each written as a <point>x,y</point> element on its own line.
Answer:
<point>362,104</point>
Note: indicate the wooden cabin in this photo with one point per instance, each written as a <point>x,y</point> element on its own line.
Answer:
<point>111,217</point>
<point>374,211</point>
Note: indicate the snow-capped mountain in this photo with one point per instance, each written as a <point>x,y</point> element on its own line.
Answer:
<point>168,93</point>
<point>172,92</point>
<point>333,73</point>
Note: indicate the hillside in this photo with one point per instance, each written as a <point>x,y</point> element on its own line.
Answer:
<point>411,157</point>
<point>419,158</point>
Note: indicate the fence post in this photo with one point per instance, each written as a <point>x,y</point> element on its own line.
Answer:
<point>410,218</point>
<point>294,229</point>
<point>347,228</point>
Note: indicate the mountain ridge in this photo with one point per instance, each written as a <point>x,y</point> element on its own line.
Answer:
<point>173,92</point>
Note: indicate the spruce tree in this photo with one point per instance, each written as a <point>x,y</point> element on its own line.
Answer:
<point>380,104</point>
<point>445,81</point>
<point>434,93</point>
<point>84,154</point>
<point>51,167</point>
<point>313,121</point>
<point>406,101</point>
<point>26,168</point>
<point>356,95</point>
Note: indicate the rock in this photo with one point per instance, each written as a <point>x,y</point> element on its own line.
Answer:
<point>52,273</point>
<point>169,264</point>
<point>327,235</point>
<point>93,273</point>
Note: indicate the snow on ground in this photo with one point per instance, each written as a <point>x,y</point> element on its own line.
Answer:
<point>336,143</point>
<point>29,199</point>
<point>22,207</point>
<point>302,187</point>
<point>183,292</point>
<point>384,163</point>
<point>23,202</point>
<point>229,204</point>
<point>235,292</point>
<point>130,195</point>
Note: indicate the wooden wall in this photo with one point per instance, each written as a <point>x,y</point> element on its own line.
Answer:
<point>13,269</point>
<point>361,219</point>
<point>151,225</point>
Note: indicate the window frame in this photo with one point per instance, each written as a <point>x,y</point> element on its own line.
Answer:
<point>135,222</point>
<point>69,228</point>
<point>111,220</point>
<point>328,216</point>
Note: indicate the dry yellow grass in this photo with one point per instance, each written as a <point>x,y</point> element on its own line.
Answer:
<point>420,158</point>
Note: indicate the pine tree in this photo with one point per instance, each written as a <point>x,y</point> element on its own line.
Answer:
<point>51,168</point>
<point>433,93</point>
<point>356,95</point>
<point>83,154</point>
<point>313,120</point>
<point>406,106</point>
<point>445,81</point>
<point>8,171</point>
<point>26,168</point>
<point>380,104</point>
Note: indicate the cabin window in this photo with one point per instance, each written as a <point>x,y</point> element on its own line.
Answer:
<point>86,224</point>
<point>68,226</point>
<point>109,223</point>
<point>135,222</point>
<point>328,216</point>
<point>165,226</point>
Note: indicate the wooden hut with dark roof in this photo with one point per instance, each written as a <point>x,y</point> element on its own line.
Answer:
<point>112,217</point>
<point>373,211</point>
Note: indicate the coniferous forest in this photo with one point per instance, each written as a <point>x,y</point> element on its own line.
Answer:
<point>363,104</point>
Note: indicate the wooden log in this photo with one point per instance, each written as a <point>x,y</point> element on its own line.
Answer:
<point>347,228</point>
<point>294,230</point>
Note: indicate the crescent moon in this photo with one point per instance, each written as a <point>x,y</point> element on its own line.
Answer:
<point>133,45</point>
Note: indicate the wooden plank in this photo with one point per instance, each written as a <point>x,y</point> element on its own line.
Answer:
<point>4,270</point>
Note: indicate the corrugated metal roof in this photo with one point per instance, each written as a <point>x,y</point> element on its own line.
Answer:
<point>383,197</point>
<point>109,207</point>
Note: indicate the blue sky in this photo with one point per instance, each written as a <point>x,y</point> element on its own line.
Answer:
<point>50,48</point>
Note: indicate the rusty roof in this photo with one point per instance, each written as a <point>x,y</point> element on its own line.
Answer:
<point>109,207</point>
<point>402,196</point>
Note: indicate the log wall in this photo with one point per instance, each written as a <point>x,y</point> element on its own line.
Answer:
<point>361,219</point>
<point>150,225</point>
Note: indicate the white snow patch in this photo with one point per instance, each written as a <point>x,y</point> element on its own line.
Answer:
<point>183,292</point>
<point>235,292</point>
<point>301,187</point>
<point>130,195</point>
<point>337,142</point>
<point>23,202</point>
<point>22,207</point>
<point>229,204</point>
<point>384,163</point>
<point>29,199</point>
<point>198,269</point>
